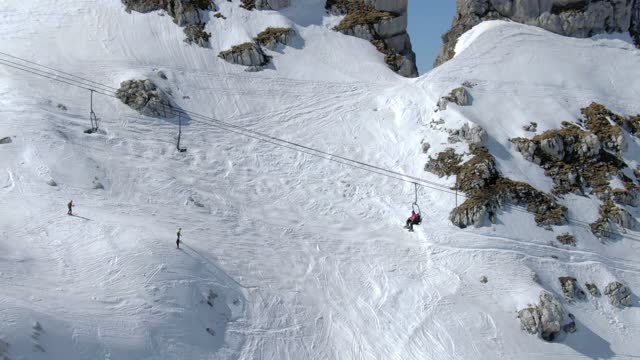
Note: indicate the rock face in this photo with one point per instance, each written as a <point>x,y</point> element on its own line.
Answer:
<point>271,4</point>
<point>619,295</point>
<point>247,54</point>
<point>144,97</point>
<point>544,319</point>
<point>578,18</point>
<point>185,13</point>
<point>384,24</point>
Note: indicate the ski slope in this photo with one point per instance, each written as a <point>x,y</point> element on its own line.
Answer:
<point>307,258</point>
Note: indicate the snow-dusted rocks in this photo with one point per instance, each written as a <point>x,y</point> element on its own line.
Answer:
<point>612,217</point>
<point>566,239</point>
<point>144,97</point>
<point>571,289</point>
<point>474,135</point>
<point>271,37</point>
<point>5,140</point>
<point>619,295</point>
<point>459,96</point>
<point>195,34</point>
<point>593,289</point>
<point>544,319</point>
<point>579,18</point>
<point>247,54</point>
<point>487,192</point>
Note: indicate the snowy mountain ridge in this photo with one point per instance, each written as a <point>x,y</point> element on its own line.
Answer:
<point>284,255</point>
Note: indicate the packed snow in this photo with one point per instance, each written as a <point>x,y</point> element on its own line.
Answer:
<point>286,256</point>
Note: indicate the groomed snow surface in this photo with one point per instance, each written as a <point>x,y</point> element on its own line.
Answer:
<point>307,258</point>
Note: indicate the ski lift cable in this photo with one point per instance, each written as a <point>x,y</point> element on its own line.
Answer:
<point>272,139</point>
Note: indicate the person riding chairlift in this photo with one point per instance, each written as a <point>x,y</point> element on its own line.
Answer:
<point>414,219</point>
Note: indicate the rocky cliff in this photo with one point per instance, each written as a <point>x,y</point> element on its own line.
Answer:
<point>384,23</point>
<point>577,18</point>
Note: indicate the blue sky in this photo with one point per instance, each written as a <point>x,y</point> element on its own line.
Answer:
<point>428,19</point>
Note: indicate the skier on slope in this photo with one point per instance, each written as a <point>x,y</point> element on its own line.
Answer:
<point>179,233</point>
<point>414,219</point>
<point>69,206</point>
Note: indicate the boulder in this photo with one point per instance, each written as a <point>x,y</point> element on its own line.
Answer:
<point>571,289</point>
<point>532,127</point>
<point>144,97</point>
<point>593,289</point>
<point>544,319</point>
<point>271,37</point>
<point>473,135</point>
<point>577,18</point>
<point>619,295</point>
<point>425,146</point>
<point>5,140</point>
<point>247,54</point>
<point>459,96</point>
<point>566,239</point>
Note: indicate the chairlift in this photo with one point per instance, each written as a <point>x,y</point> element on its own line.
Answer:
<point>180,149</point>
<point>92,117</point>
<point>415,207</point>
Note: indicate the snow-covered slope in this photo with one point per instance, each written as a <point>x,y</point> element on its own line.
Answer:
<point>306,258</point>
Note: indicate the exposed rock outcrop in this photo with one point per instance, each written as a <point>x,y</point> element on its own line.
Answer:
<point>144,97</point>
<point>566,239</point>
<point>593,289</point>
<point>571,289</point>
<point>446,163</point>
<point>577,157</point>
<point>185,13</point>
<point>459,96</point>
<point>473,135</point>
<point>264,4</point>
<point>5,140</point>
<point>585,158</point>
<point>619,295</point>
<point>544,319</point>
<point>577,18</point>
<point>271,37</point>
<point>612,218</point>
<point>247,54</point>
<point>384,24</point>
<point>487,192</point>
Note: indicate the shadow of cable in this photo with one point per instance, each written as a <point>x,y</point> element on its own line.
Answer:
<point>229,281</point>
